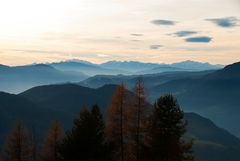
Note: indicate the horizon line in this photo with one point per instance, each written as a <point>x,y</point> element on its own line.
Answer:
<point>90,62</point>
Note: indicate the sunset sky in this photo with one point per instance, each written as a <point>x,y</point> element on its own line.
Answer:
<point>161,31</point>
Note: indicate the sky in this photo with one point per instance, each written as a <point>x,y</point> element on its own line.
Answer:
<point>159,31</point>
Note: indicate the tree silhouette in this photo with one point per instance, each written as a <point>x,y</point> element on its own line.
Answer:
<point>165,129</point>
<point>136,124</point>
<point>34,146</point>
<point>85,141</point>
<point>18,144</point>
<point>52,141</point>
<point>116,116</point>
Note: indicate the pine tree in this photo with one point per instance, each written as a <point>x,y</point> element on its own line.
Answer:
<point>115,122</point>
<point>52,141</point>
<point>17,147</point>
<point>166,128</point>
<point>85,141</point>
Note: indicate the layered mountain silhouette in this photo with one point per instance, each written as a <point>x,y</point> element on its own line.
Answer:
<point>69,97</point>
<point>205,89</point>
<point>215,95</point>
<point>211,143</point>
<point>20,78</point>
<point>85,67</point>
<point>150,80</point>
<point>193,65</point>
<point>149,68</point>
<point>130,67</point>
<point>39,105</point>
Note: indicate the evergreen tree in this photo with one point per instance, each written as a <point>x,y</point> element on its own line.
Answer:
<point>115,124</point>
<point>18,144</point>
<point>52,141</point>
<point>85,141</point>
<point>166,128</point>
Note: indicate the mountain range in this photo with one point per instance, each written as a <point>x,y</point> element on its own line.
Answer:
<point>213,94</point>
<point>20,78</point>
<point>192,88</point>
<point>150,68</point>
<point>58,91</point>
<point>131,67</point>
<point>150,80</point>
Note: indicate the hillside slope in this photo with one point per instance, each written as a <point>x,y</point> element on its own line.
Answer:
<point>215,95</point>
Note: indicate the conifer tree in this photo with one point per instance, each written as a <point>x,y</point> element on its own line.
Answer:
<point>85,141</point>
<point>166,128</point>
<point>52,141</point>
<point>115,124</point>
<point>137,117</point>
<point>17,146</point>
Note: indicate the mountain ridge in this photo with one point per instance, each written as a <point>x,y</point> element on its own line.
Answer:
<point>214,95</point>
<point>19,78</point>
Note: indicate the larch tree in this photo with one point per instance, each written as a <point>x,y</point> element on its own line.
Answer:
<point>165,130</point>
<point>137,117</point>
<point>18,144</point>
<point>52,141</point>
<point>115,123</point>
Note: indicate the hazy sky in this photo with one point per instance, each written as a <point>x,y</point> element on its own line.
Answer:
<point>34,31</point>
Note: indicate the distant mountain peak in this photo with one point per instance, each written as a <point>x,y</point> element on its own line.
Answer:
<point>192,61</point>
<point>43,66</point>
<point>78,61</point>
<point>194,65</point>
<point>73,62</point>
<point>125,62</point>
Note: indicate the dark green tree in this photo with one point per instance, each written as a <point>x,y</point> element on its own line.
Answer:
<point>85,142</point>
<point>165,130</point>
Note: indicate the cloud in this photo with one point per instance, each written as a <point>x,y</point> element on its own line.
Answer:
<point>37,51</point>
<point>225,22</point>
<point>50,52</point>
<point>163,22</point>
<point>184,33</point>
<point>197,48</point>
<point>136,40</point>
<point>137,35</point>
<point>201,39</point>
<point>155,47</point>
<point>102,55</point>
